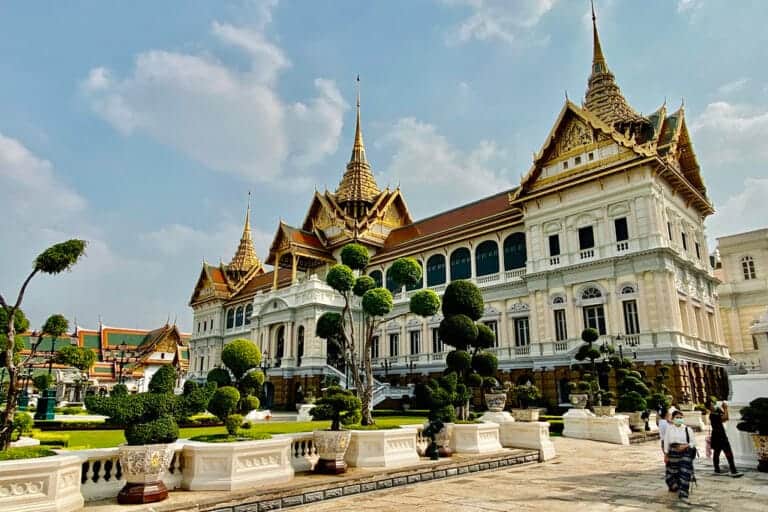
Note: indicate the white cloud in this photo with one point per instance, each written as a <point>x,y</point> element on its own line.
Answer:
<point>509,22</point>
<point>427,166</point>
<point>744,211</point>
<point>688,5</point>
<point>229,120</point>
<point>727,132</point>
<point>733,86</point>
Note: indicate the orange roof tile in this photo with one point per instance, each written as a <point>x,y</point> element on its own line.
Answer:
<point>263,282</point>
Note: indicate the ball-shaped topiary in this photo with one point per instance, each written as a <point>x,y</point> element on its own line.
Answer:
<point>458,331</point>
<point>252,381</point>
<point>162,430</point>
<point>220,376</point>
<point>631,402</point>
<point>329,326</point>
<point>590,335</point>
<point>485,337</point>
<point>355,256</point>
<point>119,390</point>
<point>224,402</point>
<point>363,284</point>
<point>463,298</point>
<point>164,380</point>
<point>458,360</point>
<point>377,302</point>
<point>485,364</point>
<point>425,303</point>
<point>406,272</point>
<point>341,406</point>
<point>475,380</point>
<point>340,278</point>
<point>240,356</point>
<point>249,403</point>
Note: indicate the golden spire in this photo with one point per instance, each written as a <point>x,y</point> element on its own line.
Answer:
<point>245,257</point>
<point>603,97</point>
<point>357,184</point>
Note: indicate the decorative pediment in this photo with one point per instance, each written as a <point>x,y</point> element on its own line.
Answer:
<point>574,134</point>
<point>519,307</point>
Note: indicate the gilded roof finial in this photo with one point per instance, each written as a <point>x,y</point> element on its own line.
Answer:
<point>598,60</point>
<point>358,183</point>
<point>245,257</point>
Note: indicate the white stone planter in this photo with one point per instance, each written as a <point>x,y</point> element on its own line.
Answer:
<point>382,448</point>
<point>604,410</point>
<point>579,400</point>
<point>525,414</point>
<point>637,423</point>
<point>475,438</point>
<point>45,484</point>
<point>583,424</point>
<point>143,467</point>
<point>495,401</point>
<point>533,435</point>
<point>238,465</point>
<point>331,447</point>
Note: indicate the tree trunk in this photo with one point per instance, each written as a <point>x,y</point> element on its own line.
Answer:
<point>6,418</point>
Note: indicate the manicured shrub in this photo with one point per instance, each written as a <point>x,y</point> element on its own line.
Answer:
<point>340,406</point>
<point>355,256</point>
<point>458,330</point>
<point>232,423</point>
<point>406,272</point>
<point>239,356</point>
<point>329,326</point>
<point>754,417</point>
<point>362,285</point>
<point>224,402</point>
<point>340,278</point>
<point>474,380</point>
<point>251,382</point>
<point>485,337</point>
<point>162,430</point>
<point>42,381</point>
<point>220,376</point>
<point>485,364</point>
<point>590,335</point>
<point>463,298</point>
<point>458,360</point>
<point>22,424</point>
<point>119,390</point>
<point>249,403</point>
<point>163,381</point>
<point>631,402</point>
<point>377,302</point>
<point>425,303</point>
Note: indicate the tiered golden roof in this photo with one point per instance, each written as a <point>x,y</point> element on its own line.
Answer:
<point>603,97</point>
<point>245,257</point>
<point>358,184</point>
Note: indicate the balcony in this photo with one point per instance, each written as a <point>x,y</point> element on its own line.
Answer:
<point>587,254</point>
<point>622,246</point>
<point>487,279</point>
<point>560,347</point>
<point>514,274</point>
<point>523,351</point>
<point>554,260</point>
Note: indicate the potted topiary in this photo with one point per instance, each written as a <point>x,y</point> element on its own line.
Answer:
<point>149,422</point>
<point>606,399</point>
<point>495,396</point>
<point>526,395</point>
<point>754,419</point>
<point>342,407</point>
<point>579,394</point>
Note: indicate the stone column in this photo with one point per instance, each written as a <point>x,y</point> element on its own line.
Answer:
<point>294,263</point>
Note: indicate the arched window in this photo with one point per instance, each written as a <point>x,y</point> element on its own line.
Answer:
<point>461,267</point>
<point>515,254</point>
<point>558,299</point>
<point>239,316</point>
<point>436,270</point>
<point>299,345</point>
<point>748,267</point>
<point>230,318</point>
<point>591,293</point>
<point>376,276</point>
<point>392,286</point>
<point>420,284</point>
<point>487,258</point>
<point>628,289</point>
<point>248,314</point>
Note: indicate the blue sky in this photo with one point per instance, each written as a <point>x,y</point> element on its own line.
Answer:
<point>141,126</point>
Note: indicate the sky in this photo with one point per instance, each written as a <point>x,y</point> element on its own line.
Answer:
<point>141,126</point>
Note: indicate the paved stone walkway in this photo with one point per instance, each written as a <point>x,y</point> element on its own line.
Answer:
<point>586,476</point>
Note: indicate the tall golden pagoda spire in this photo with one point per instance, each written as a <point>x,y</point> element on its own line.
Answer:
<point>245,257</point>
<point>357,185</point>
<point>603,97</point>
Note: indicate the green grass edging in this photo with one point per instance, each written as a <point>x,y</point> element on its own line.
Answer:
<point>27,452</point>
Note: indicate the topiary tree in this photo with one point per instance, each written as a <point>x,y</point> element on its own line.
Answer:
<point>151,417</point>
<point>219,376</point>
<point>242,357</point>
<point>339,328</point>
<point>224,402</point>
<point>42,381</point>
<point>341,406</point>
<point>462,307</point>
<point>54,260</point>
<point>633,393</point>
<point>78,357</point>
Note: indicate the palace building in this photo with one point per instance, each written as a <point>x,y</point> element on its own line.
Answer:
<point>605,230</point>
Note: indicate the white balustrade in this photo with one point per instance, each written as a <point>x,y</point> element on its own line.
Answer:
<point>554,260</point>
<point>303,451</point>
<point>514,274</point>
<point>561,346</point>
<point>523,351</point>
<point>622,246</point>
<point>587,254</point>
<point>490,278</point>
<point>632,340</point>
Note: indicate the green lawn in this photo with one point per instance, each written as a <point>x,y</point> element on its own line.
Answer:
<point>82,439</point>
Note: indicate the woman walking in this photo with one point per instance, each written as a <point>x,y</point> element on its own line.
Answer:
<point>679,452</point>
<point>720,441</point>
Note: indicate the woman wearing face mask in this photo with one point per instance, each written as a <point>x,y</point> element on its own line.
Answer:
<point>679,451</point>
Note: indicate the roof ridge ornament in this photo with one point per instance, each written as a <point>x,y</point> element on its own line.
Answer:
<point>245,257</point>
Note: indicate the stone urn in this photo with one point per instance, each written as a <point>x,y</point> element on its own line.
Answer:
<point>604,410</point>
<point>143,467</point>
<point>331,447</point>
<point>525,414</point>
<point>761,447</point>
<point>495,401</point>
<point>579,400</point>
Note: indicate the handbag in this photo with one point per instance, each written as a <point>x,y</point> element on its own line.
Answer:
<point>691,450</point>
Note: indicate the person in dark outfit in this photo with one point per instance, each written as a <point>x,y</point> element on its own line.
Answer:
<point>720,443</point>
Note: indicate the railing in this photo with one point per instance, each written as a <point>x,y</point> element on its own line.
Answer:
<point>587,254</point>
<point>561,346</point>
<point>554,260</point>
<point>303,451</point>
<point>490,278</point>
<point>632,340</point>
<point>515,274</point>
<point>102,475</point>
<point>622,246</point>
<point>523,351</point>
<point>437,356</point>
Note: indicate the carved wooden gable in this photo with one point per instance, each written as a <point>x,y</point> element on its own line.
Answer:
<point>575,133</point>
